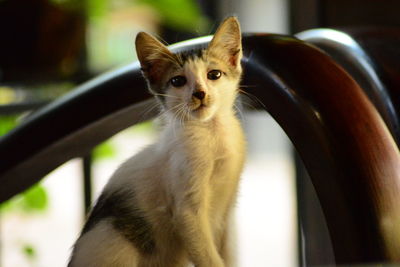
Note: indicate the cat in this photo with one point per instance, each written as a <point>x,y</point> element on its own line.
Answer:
<point>171,204</point>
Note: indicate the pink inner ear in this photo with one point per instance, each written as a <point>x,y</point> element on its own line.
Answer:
<point>233,60</point>
<point>155,70</point>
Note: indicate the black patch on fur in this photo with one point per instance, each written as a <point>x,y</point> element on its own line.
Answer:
<point>183,57</point>
<point>126,218</point>
<point>190,54</point>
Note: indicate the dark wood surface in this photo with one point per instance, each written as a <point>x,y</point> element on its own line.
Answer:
<point>382,47</point>
<point>348,151</point>
<point>372,57</point>
<point>309,14</point>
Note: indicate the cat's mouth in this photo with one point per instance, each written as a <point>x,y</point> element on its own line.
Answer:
<point>200,107</point>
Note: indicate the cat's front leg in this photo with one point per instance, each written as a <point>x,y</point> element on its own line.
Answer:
<point>192,203</point>
<point>196,234</point>
<point>227,246</point>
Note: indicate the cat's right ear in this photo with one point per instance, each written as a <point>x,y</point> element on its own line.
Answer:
<point>227,42</point>
<point>153,56</point>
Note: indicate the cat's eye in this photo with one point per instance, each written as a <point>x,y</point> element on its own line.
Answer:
<point>214,74</point>
<point>178,81</point>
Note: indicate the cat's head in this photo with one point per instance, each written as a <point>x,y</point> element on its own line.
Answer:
<point>196,84</point>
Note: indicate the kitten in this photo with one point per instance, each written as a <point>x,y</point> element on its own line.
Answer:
<point>171,204</point>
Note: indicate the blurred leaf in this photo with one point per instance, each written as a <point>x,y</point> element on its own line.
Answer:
<point>29,251</point>
<point>104,150</point>
<point>32,200</point>
<point>35,199</point>
<point>182,15</point>
<point>97,8</point>
<point>6,206</point>
<point>7,123</point>
<point>143,127</point>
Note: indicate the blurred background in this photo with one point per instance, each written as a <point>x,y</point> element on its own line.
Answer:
<point>47,47</point>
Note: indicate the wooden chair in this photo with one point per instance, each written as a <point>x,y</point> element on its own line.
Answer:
<point>350,155</point>
<point>370,55</point>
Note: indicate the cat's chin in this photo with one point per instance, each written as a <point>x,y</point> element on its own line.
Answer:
<point>202,113</point>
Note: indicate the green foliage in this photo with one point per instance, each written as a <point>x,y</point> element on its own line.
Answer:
<point>182,15</point>
<point>146,127</point>
<point>35,199</point>
<point>7,123</point>
<point>29,251</point>
<point>107,150</point>
<point>97,8</point>
<point>103,151</point>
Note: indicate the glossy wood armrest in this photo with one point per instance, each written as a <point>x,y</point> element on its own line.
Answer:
<point>372,56</point>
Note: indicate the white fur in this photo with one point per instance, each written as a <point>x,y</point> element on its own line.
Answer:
<point>104,246</point>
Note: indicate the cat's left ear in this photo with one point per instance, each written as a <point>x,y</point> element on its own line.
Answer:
<point>154,57</point>
<point>227,42</point>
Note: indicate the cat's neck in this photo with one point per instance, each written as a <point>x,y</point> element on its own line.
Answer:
<point>217,135</point>
<point>217,122</point>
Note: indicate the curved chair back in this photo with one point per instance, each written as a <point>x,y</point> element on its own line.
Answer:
<point>372,57</point>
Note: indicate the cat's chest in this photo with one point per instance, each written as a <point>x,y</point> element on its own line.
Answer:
<point>224,146</point>
<point>221,154</point>
<point>199,150</point>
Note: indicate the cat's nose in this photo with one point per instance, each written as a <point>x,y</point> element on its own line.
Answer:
<point>199,95</point>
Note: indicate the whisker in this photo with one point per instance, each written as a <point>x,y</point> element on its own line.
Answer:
<point>177,116</point>
<point>171,56</point>
<point>172,96</point>
<point>247,86</point>
<point>239,111</point>
<point>248,105</point>
<point>252,97</point>
<point>183,111</point>
<point>170,109</point>
<point>162,40</point>
<point>148,110</point>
